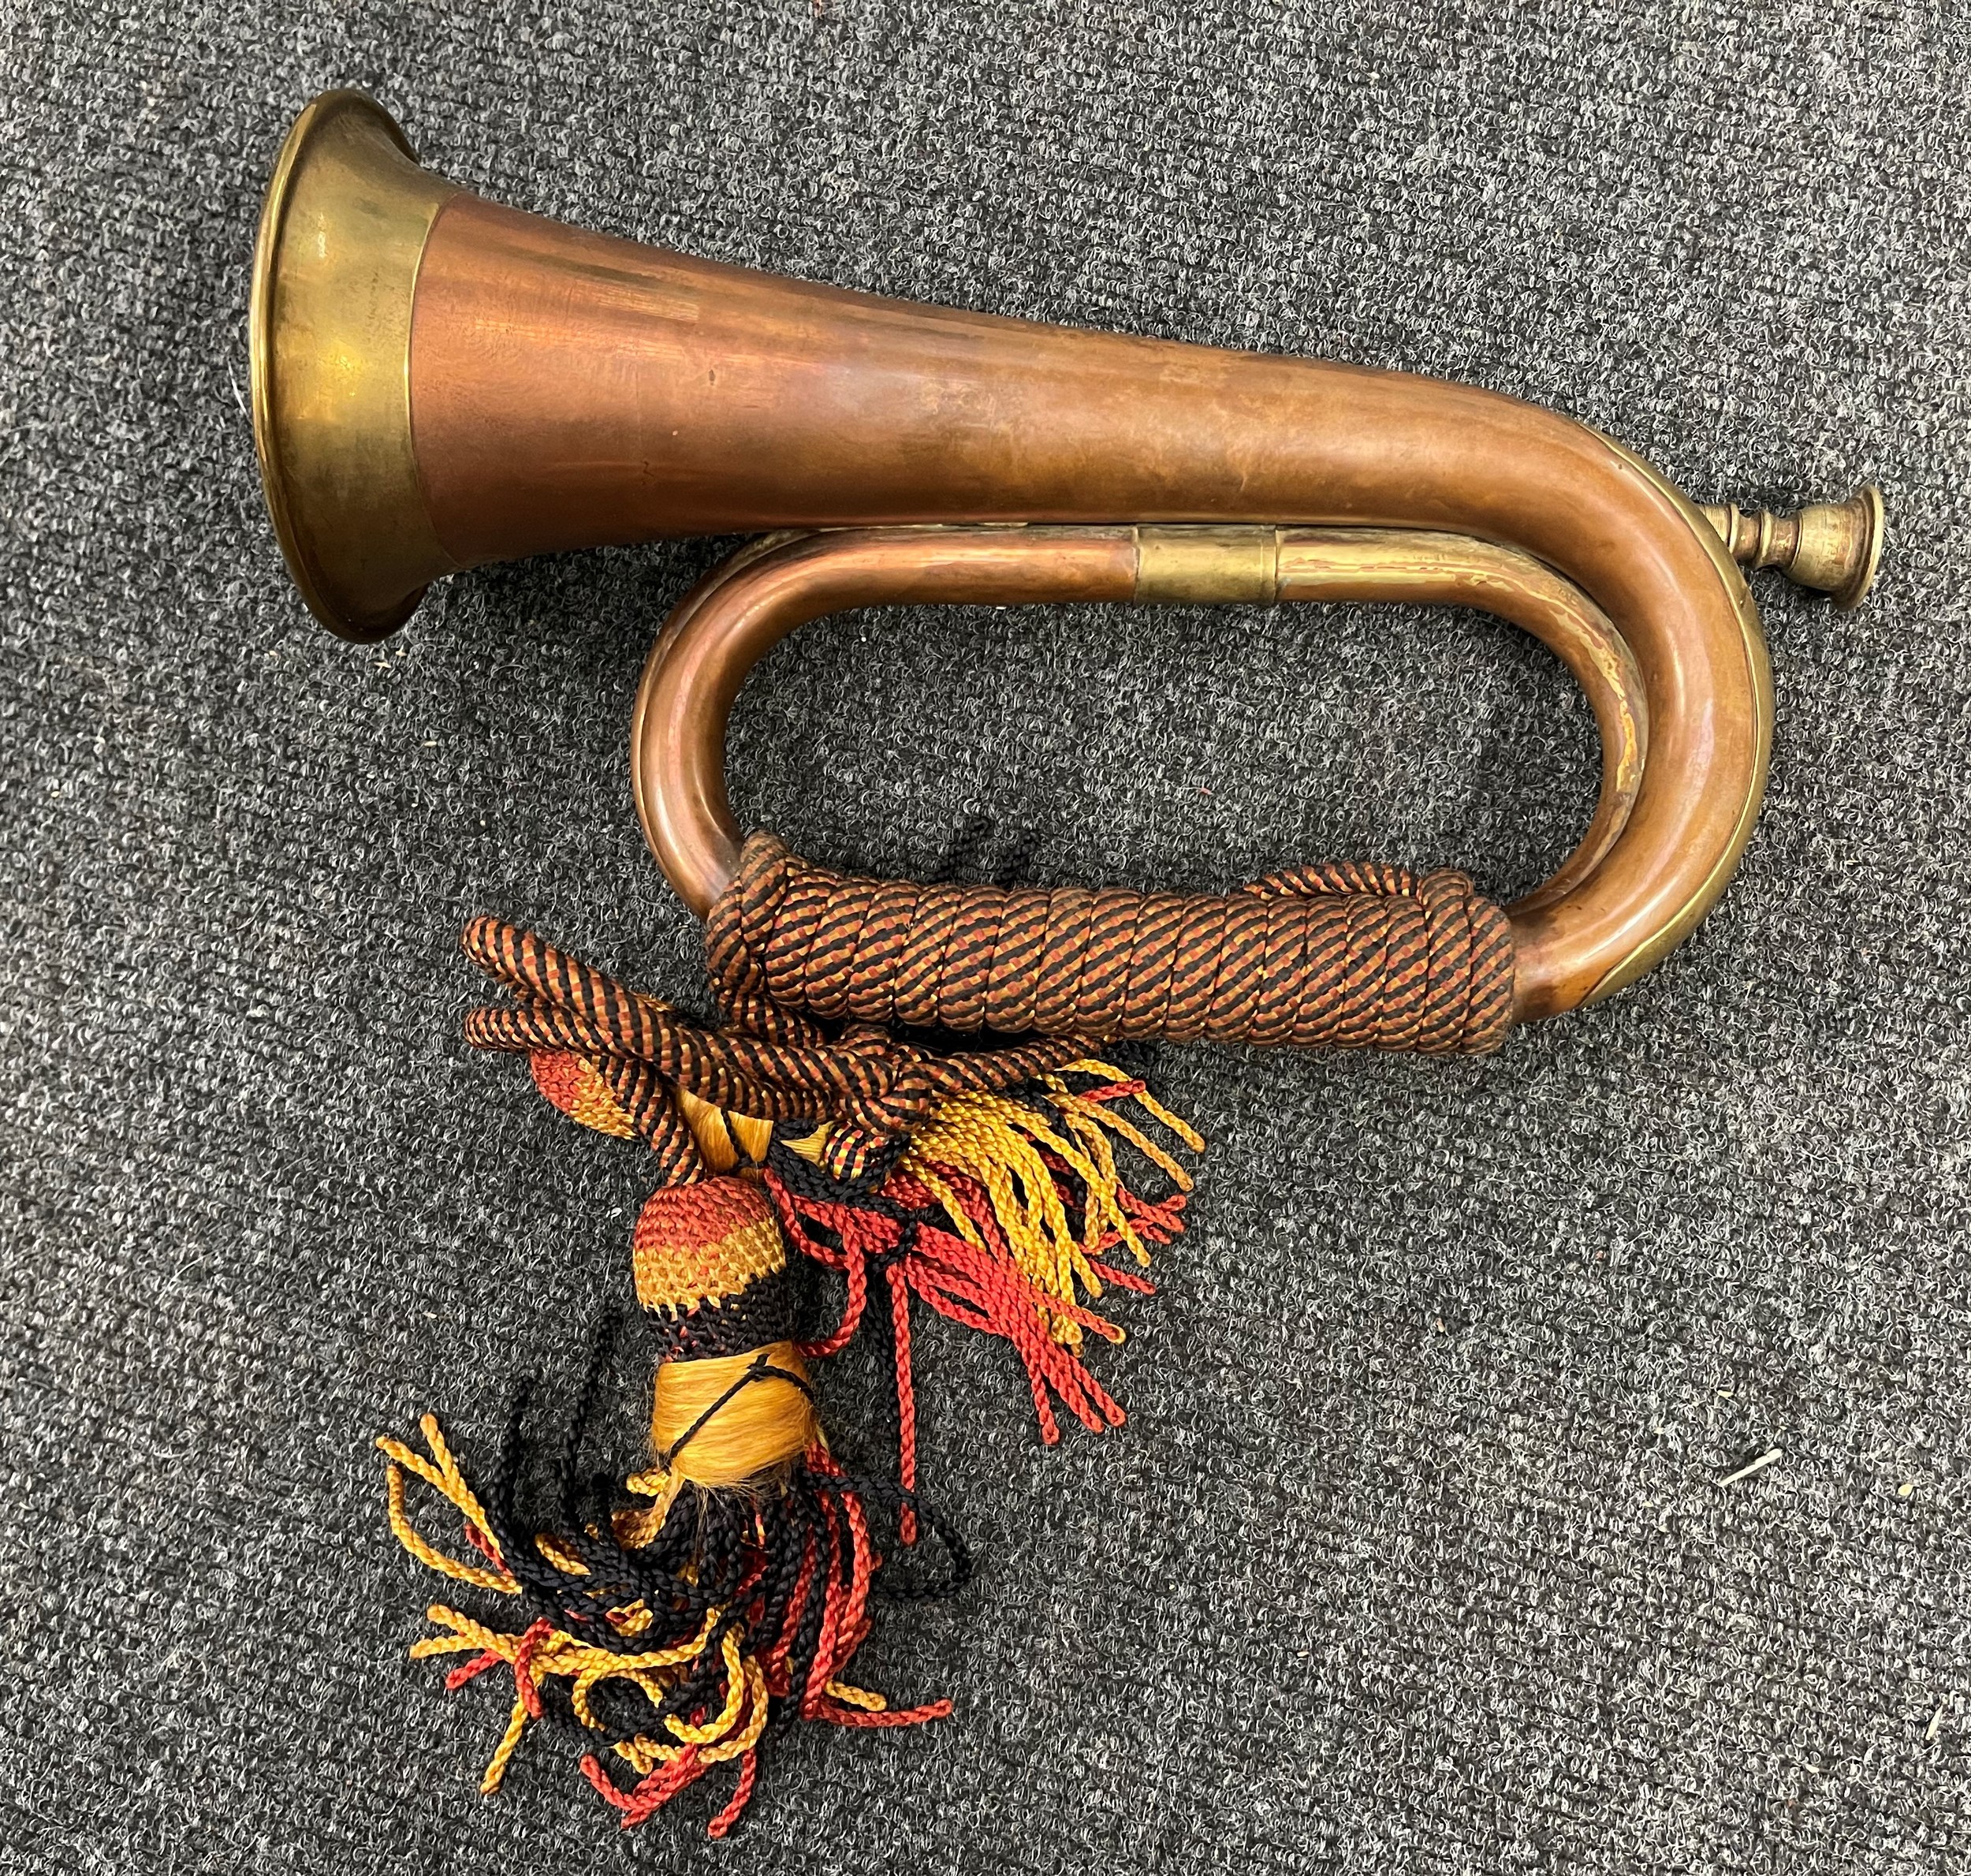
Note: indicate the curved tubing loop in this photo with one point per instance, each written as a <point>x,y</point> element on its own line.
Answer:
<point>1620,878</point>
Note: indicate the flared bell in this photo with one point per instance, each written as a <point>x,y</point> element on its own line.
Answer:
<point>334,274</point>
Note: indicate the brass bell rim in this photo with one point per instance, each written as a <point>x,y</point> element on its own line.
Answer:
<point>336,598</point>
<point>302,138</point>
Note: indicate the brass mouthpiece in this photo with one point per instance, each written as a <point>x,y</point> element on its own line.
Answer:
<point>1832,547</point>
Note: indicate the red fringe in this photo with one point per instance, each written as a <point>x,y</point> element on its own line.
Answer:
<point>980,1289</point>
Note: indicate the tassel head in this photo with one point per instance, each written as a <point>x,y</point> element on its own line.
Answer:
<point>715,1245</point>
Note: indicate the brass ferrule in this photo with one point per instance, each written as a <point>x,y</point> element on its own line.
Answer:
<point>1208,566</point>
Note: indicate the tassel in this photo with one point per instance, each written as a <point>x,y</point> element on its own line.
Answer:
<point>729,1582</point>
<point>678,1627</point>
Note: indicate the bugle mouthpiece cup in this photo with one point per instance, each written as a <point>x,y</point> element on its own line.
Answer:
<point>1830,547</point>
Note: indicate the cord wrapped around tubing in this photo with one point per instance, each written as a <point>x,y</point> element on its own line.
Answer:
<point>720,630</point>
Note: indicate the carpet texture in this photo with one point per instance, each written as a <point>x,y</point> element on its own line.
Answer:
<point>1413,1556</point>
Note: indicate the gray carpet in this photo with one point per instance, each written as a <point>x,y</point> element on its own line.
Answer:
<point>1412,1554</point>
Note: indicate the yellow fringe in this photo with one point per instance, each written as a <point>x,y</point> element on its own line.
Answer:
<point>735,1729</point>
<point>857,1696</point>
<point>440,1472</point>
<point>999,1142</point>
<point>504,1752</point>
<point>722,1722</point>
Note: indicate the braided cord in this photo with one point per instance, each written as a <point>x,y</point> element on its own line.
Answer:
<point>1340,956</point>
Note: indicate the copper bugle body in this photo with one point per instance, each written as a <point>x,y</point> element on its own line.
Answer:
<point>439,382</point>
